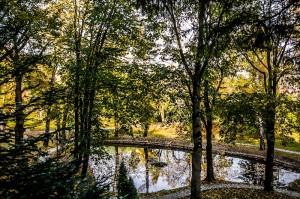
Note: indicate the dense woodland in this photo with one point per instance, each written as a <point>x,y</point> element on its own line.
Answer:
<point>69,69</point>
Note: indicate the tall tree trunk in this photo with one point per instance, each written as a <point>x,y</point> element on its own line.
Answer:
<point>208,128</point>
<point>270,120</point>
<point>48,120</point>
<point>20,117</point>
<point>261,132</point>
<point>270,128</point>
<point>195,76</point>
<point>88,114</point>
<point>197,139</point>
<point>77,39</point>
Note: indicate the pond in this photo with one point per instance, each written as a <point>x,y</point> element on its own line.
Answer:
<point>161,169</point>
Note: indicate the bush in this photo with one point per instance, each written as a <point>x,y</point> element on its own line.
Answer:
<point>125,185</point>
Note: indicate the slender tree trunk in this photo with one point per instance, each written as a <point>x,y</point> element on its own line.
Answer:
<point>77,39</point>
<point>162,113</point>
<point>116,118</point>
<point>76,111</point>
<point>58,127</point>
<point>209,156</point>
<point>261,132</point>
<point>208,128</point>
<point>260,123</point>
<point>117,164</point>
<point>47,130</point>
<point>48,120</point>
<point>19,127</point>
<point>147,170</point>
<point>197,139</point>
<point>64,123</point>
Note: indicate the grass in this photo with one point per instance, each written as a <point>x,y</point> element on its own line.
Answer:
<point>292,144</point>
<point>243,194</point>
<point>32,125</point>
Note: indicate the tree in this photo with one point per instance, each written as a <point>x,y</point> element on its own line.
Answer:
<point>125,185</point>
<point>272,40</point>
<point>212,83</point>
<point>28,25</point>
<point>96,39</point>
<point>198,29</point>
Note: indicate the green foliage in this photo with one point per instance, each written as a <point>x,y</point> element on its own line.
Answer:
<point>28,172</point>
<point>125,185</point>
<point>239,115</point>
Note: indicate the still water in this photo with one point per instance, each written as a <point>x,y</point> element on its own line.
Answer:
<point>158,169</point>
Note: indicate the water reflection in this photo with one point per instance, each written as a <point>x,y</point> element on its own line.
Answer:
<point>157,169</point>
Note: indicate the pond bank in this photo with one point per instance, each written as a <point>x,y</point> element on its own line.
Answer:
<point>220,148</point>
<point>205,187</point>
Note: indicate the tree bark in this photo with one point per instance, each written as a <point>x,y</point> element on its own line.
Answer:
<point>19,127</point>
<point>77,39</point>
<point>209,156</point>
<point>208,128</point>
<point>117,164</point>
<point>88,106</point>
<point>48,120</point>
<point>147,170</point>
<point>270,127</point>
<point>146,129</point>
<point>47,130</point>
<point>197,140</point>
<point>64,123</point>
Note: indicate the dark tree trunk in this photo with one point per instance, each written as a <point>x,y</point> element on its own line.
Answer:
<point>77,39</point>
<point>50,99</point>
<point>208,127</point>
<point>209,156</point>
<point>58,127</point>
<point>117,163</point>
<point>20,117</point>
<point>88,114</point>
<point>146,129</point>
<point>47,130</point>
<point>147,169</point>
<point>270,127</point>
<point>64,123</point>
<point>116,118</point>
<point>197,139</point>
<point>76,109</point>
